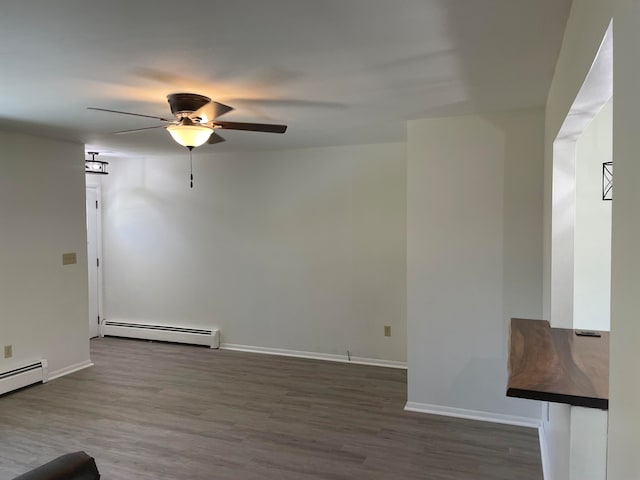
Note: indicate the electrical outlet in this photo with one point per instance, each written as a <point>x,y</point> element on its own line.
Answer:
<point>387,330</point>
<point>8,351</point>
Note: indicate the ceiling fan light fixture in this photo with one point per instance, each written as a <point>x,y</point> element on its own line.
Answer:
<point>95,166</point>
<point>190,136</point>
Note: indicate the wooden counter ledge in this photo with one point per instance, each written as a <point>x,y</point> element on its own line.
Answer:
<point>556,365</point>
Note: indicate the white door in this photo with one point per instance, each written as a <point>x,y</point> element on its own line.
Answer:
<point>93,260</point>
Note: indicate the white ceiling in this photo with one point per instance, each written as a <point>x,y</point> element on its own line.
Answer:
<point>335,71</point>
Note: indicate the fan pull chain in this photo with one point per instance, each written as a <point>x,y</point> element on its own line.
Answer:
<point>191,166</point>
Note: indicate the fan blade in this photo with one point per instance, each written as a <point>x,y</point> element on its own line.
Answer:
<point>215,138</point>
<point>253,127</point>
<point>129,113</point>
<point>211,111</point>
<point>139,129</point>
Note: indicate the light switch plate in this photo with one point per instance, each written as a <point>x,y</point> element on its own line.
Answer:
<point>69,258</point>
<point>8,351</point>
<point>387,330</point>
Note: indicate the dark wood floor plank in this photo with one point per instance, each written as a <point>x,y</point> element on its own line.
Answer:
<point>162,411</point>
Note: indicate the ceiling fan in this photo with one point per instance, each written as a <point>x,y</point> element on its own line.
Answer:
<point>196,121</point>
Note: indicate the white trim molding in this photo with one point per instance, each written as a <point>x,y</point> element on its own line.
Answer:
<point>375,362</point>
<point>76,367</point>
<point>544,452</point>
<point>472,414</point>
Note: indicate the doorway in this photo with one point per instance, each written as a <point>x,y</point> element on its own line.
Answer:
<point>94,254</point>
<point>580,256</point>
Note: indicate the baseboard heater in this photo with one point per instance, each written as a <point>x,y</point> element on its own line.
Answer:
<point>23,376</point>
<point>163,333</point>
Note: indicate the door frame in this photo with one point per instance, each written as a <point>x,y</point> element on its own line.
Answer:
<point>98,191</point>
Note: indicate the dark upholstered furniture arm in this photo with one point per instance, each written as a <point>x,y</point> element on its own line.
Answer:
<point>73,466</point>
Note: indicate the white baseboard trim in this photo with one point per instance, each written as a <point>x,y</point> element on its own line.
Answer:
<point>472,414</point>
<point>544,452</point>
<point>70,369</point>
<point>313,355</point>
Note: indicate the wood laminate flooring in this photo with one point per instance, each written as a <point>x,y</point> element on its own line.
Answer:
<point>163,411</point>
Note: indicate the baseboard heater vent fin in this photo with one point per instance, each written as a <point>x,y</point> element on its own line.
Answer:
<point>23,376</point>
<point>163,333</point>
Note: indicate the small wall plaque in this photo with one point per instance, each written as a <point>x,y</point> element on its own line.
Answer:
<point>69,258</point>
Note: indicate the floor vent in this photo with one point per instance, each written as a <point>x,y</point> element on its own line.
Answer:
<point>163,333</point>
<point>23,376</point>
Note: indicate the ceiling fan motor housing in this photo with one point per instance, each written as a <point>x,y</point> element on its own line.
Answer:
<point>186,103</point>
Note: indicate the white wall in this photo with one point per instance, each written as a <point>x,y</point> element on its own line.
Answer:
<point>588,445</point>
<point>624,387</point>
<point>592,244</point>
<point>474,256</point>
<point>586,27</point>
<point>43,304</point>
<point>301,249</point>
<point>563,232</point>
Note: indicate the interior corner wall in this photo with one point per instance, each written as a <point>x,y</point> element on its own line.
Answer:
<point>299,250</point>
<point>586,27</point>
<point>474,256</point>
<point>43,304</point>
<point>592,243</point>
